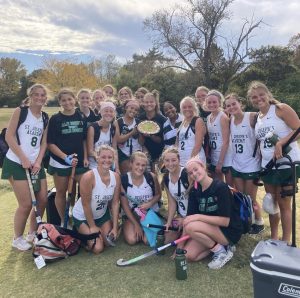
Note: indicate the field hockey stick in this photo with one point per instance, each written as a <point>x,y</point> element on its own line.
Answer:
<point>162,227</point>
<point>69,196</point>
<point>122,262</point>
<point>269,166</point>
<point>33,199</point>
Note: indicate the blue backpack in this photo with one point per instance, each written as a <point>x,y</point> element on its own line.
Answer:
<point>245,208</point>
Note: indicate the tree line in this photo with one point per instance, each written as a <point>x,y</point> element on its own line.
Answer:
<point>189,49</point>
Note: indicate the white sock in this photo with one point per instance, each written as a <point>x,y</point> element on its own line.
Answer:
<point>259,222</point>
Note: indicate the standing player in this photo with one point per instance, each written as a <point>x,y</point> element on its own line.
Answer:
<point>27,146</point>
<point>191,132</point>
<point>245,156</point>
<point>282,120</point>
<point>218,127</point>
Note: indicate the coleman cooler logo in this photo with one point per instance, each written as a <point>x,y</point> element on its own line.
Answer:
<point>289,290</point>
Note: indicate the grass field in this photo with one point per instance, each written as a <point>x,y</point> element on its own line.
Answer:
<point>93,276</point>
<point>87,275</point>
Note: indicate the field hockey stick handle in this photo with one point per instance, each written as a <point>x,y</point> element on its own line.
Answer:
<point>173,243</point>
<point>33,199</point>
<point>162,227</point>
<point>71,178</point>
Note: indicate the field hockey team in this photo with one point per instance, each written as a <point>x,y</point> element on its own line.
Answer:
<point>195,153</point>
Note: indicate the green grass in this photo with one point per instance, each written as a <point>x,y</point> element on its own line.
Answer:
<point>93,276</point>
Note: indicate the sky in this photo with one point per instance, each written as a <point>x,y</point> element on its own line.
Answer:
<point>32,30</point>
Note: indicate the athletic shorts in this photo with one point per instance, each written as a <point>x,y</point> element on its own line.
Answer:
<point>65,172</point>
<point>122,156</point>
<point>278,177</point>
<point>231,235</point>
<point>244,176</point>
<point>16,171</point>
<point>225,170</point>
<point>99,221</point>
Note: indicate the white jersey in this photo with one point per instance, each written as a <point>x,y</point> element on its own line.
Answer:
<point>139,194</point>
<point>101,195</point>
<point>30,134</point>
<point>243,143</point>
<point>132,144</point>
<point>104,139</point>
<point>216,140</point>
<point>186,143</point>
<point>271,122</point>
<point>180,198</point>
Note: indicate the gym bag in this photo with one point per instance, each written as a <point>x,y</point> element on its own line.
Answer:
<point>56,243</point>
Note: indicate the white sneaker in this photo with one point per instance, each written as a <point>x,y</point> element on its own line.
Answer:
<point>21,244</point>
<point>30,237</point>
<point>220,259</point>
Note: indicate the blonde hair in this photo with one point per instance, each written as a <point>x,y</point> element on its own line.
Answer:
<point>103,148</point>
<point>171,149</point>
<point>218,94</point>
<point>127,89</point>
<point>154,94</point>
<point>138,154</point>
<point>30,90</point>
<point>192,101</point>
<point>259,85</point>
<point>36,86</point>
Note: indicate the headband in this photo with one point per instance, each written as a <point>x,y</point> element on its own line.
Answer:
<point>196,160</point>
<point>107,104</point>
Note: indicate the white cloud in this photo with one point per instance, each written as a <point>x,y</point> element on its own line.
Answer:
<point>115,26</point>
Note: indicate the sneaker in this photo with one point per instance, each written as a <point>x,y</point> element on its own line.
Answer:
<point>21,244</point>
<point>231,247</point>
<point>256,229</point>
<point>30,237</point>
<point>220,259</point>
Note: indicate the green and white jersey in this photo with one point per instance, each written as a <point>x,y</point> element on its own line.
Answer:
<point>30,134</point>
<point>139,194</point>
<point>216,140</point>
<point>271,122</point>
<point>180,198</point>
<point>101,195</point>
<point>243,142</point>
<point>186,143</point>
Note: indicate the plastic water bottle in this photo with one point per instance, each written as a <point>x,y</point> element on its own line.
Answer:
<point>160,241</point>
<point>273,139</point>
<point>181,264</point>
<point>36,182</point>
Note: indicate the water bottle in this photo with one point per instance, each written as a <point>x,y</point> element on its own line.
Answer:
<point>160,241</point>
<point>181,264</point>
<point>36,182</point>
<point>273,139</point>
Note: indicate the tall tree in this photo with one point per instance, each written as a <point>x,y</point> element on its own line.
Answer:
<point>294,45</point>
<point>11,73</point>
<point>57,74</point>
<point>191,34</point>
